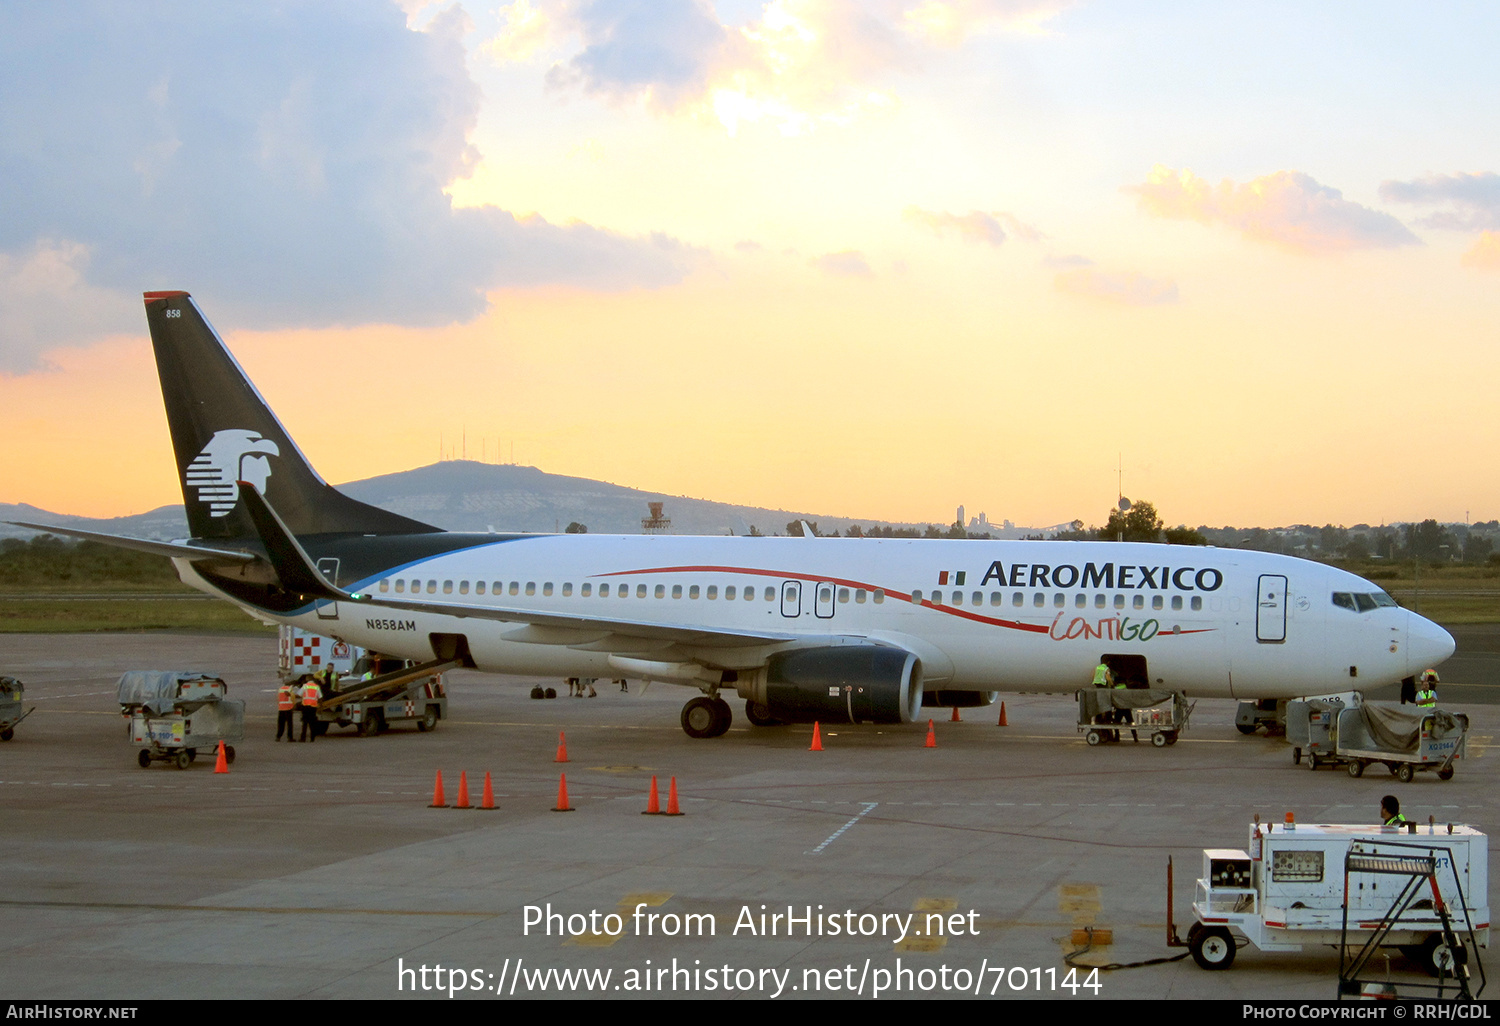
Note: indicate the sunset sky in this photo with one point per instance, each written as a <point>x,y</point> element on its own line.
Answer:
<point>870,259</point>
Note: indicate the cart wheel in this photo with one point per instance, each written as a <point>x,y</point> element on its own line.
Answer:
<point>1093,738</point>
<point>182,760</point>
<point>1394,767</point>
<point>1404,773</point>
<point>367,725</point>
<point>1438,958</point>
<point>229,753</point>
<point>1356,768</point>
<point>1171,737</point>
<point>429,720</point>
<point>1158,740</point>
<point>1247,728</point>
<point>144,758</point>
<point>192,755</point>
<point>1445,774</point>
<point>7,734</point>
<point>1312,761</point>
<point>1213,948</point>
<point>1296,756</point>
<point>1194,931</point>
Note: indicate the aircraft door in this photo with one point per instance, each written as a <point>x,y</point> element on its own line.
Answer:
<point>329,568</point>
<point>1270,609</point>
<point>823,599</point>
<point>791,598</point>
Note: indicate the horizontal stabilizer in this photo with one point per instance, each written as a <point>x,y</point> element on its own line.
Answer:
<point>174,550</point>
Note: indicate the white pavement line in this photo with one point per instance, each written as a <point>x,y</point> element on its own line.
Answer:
<point>869,807</point>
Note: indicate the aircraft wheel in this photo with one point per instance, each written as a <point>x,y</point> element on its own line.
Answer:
<point>1404,773</point>
<point>699,717</point>
<point>1445,774</point>
<point>1356,768</point>
<point>724,716</point>
<point>1093,738</point>
<point>1213,948</point>
<point>1159,740</point>
<point>760,715</point>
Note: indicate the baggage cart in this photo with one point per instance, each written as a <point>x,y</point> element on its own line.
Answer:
<point>1423,890</point>
<point>174,713</point>
<point>1405,741</point>
<point>405,693</point>
<point>1161,715</point>
<point>11,691</point>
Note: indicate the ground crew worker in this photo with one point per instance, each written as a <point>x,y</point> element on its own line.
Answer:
<point>311,696</point>
<point>286,704</point>
<point>330,680</point>
<point>1104,677</point>
<point>1427,690</point>
<point>1390,812</point>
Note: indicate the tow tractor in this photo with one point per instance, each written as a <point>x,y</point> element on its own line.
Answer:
<point>1423,890</point>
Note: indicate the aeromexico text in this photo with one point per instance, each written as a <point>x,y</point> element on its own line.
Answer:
<point>1100,575</point>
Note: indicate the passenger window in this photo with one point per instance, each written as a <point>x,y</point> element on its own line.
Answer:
<point>547,588</point>
<point>976,599</point>
<point>1098,601</point>
<point>447,587</point>
<point>676,591</point>
<point>1018,599</point>
<point>916,598</point>
<point>693,592</point>
<point>432,587</point>
<point>479,587</point>
<point>713,592</point>
<point>385,585</point>
<point>640,591</point>
<point>770,594</point>
<point>1156,602</point>
<point>1080,600</point>
<point>515,587</point>
<point>825,595</point>
<point>1039,600</point>
<point>531,587</point>
<point>567,589</point>
<point>843,595</point>
<point>859,596</point>
<point>400,586</point>
<point>937,598</point>
<point>996,599</point>
<point>661,590</point>
<point>604,591</point>
<point>1059,600</point>
<point>1138,602</point>
<point>1197,602</point>
<point>585,590</point>
<point>1119,601</point>
<point>729,593</point>
<point>879,596</point>
<point>958,598</point>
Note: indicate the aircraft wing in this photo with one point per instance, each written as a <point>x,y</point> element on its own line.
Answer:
<point>176,550</point>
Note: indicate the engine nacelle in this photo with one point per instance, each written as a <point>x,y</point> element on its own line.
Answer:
<point>839,684</point>
<point>960,699</point>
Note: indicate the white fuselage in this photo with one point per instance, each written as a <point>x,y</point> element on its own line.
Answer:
<point>1014,616</point>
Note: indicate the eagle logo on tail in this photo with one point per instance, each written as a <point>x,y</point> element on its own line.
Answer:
<point>231,456</point>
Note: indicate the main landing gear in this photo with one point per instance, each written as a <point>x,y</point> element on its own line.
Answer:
<point>706,717</point>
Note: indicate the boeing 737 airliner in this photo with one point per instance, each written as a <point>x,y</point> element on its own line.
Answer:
<point>850,630</point>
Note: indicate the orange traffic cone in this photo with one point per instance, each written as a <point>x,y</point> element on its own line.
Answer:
<point>1003,722</point>
<point>956,718</point>
<point>463,791</point>
<point>653,803</point>
<point>562,794</point>
<point>931,736</point>
<point>438,801</point>
<point>222,765</point>
<point>562,748</point>
<point>817,745</point>
<point>672,809</point>
<point>487,804</point>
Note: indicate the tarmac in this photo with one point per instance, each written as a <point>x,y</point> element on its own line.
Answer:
<point>318,870</point>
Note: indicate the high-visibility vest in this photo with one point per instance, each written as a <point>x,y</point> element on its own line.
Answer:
<point>284,698</point>
<point>311,693</point>
<point>1101,676</point>
<point>1427,698</point>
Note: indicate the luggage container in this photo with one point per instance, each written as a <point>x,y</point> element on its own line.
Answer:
<point>1104,712</point>
<point>174,713</point>
<point>1405,741</point>
<point>11,691</point>
<point>1421,889</point>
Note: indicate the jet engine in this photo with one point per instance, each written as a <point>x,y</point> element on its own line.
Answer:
<point>837,684</point>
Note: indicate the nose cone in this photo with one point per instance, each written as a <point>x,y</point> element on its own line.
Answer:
<point>1427,644</point>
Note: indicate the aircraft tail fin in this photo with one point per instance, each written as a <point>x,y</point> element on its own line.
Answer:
<point>224,433</point>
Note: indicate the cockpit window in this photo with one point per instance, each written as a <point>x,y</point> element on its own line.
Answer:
<point>1363,602</point>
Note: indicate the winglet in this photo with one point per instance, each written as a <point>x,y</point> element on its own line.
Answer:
<point>294,566</point>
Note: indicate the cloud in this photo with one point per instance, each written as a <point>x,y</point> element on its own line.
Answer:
<point>1485,253</point>
<point>1126,288</point>
<point>1475,197</point>
<point>801,64</point>
<point>1288,209</point>
<point>975,226</point>
<point>848,264</point>
<point>286,163</point>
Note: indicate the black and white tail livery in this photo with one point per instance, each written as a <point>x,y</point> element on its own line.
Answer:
<point>224,433</point>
